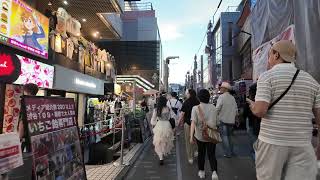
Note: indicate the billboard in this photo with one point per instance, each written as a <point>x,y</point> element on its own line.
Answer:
<point>24,28</point>
<point>35,72</point>
<point>54,138</point>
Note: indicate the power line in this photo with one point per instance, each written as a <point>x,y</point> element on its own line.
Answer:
<point>217,8</point>
<point>205,34</point>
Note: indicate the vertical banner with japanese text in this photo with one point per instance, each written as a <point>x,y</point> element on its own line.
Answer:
<point>54,138</point>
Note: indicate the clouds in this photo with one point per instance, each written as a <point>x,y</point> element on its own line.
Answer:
<point>170,32</point>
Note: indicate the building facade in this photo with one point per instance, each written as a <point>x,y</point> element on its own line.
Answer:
<point>139,51</point>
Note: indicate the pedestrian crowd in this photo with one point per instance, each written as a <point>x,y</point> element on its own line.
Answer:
<point>281,108</point>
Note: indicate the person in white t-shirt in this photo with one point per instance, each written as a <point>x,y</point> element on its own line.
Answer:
<point>174,105</point>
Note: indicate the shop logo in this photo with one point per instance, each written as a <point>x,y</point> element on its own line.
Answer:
<point>6,65</point>
<point>10,67</point>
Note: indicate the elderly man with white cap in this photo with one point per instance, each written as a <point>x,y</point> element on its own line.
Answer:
<point>286,100</point>
<point>227,112</point>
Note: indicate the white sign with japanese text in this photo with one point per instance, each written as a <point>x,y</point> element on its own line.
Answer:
<point>10,152</point>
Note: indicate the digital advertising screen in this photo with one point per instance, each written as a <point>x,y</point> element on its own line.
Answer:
<point>35,72</point>
<point>24,28</point>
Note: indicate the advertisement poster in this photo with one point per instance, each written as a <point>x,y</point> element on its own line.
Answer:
<point>24,28</point>
<point>10,152</point>
<point>35,72</point>
<point>12,107</point>
<point>52,126</point>
<point>260,55</point>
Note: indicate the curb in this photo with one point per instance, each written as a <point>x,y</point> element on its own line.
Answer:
<point>124,172</point>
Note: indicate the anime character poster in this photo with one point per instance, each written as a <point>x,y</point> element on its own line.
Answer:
<point>24,28</point>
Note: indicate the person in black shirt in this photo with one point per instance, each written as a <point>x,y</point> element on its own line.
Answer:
<point>254,121</point>
<point>185,117</point>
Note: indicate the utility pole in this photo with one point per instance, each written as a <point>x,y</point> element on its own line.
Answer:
<point>195,67</point>
<point>166,71</point>
<point>201,72</point>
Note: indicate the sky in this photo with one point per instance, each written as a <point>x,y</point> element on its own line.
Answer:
<point>182,25</point>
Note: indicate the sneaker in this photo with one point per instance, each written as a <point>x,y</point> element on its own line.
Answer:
<point>201,174</point>
<point>190,161</point>
<point>214,176</point>
<point>196,154</point>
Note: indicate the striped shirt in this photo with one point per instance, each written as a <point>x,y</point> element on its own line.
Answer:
<point>289,122</point>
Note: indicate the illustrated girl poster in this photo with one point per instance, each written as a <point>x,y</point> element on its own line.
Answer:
<point>29,27</point>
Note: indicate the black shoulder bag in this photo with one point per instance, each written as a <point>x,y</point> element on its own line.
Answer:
<point>286,91</point>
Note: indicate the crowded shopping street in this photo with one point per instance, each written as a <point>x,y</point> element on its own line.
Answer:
<point>159,90</point>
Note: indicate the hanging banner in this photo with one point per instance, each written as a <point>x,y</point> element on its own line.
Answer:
<point>10,152</point>
<point>260,55</point>
<point>54,138</point>
<point>12,107</point>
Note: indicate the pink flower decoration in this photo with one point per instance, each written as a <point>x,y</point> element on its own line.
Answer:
<point>26,60</point>
<point>37,69</point>
<point>46,83</point>
<point>46,71</point>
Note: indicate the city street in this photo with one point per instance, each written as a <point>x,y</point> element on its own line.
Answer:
<point>176,166</point>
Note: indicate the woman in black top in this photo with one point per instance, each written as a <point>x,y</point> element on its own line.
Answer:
<point>185,117</point>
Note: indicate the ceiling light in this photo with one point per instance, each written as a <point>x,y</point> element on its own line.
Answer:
<point>94,35</point>
<point>78,34</point>
<point>49,4</point>
<point>84,20</point>
<point>65,2</point>
<point>97,32</point>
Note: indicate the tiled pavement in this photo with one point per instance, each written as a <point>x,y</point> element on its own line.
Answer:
<point>109,171</point>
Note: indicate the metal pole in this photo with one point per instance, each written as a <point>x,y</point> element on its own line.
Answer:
<point>122,139</point>
<point>134,98</point>
<point>113,129</point>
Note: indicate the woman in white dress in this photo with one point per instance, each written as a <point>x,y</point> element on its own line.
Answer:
<point>163,133</point>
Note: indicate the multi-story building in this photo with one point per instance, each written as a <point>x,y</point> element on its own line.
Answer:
<point>223,46</point>
<point>139,51</point>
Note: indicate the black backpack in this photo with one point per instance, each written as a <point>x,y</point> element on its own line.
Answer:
<point>174,109</point>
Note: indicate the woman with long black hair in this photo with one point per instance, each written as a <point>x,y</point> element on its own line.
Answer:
<point>163,133</point>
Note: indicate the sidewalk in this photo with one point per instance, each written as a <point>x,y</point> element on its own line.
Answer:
<point>177,168</point>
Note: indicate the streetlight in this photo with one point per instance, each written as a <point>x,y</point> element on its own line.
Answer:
<point>166,71</point>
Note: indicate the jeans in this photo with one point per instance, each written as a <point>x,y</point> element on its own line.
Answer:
<point>253,138</point>
<point>211,151</point>
<point>226,131</point>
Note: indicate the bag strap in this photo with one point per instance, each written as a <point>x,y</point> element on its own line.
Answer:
<point>286,91</point>
<point>176,103</point>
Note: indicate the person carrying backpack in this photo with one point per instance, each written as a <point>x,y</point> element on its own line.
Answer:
<point>174,105</point>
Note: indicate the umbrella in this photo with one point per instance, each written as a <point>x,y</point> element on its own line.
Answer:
<point>150,92</point>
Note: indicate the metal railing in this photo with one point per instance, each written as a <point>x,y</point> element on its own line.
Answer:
<point>116,124</point>
<point>138,6</point>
